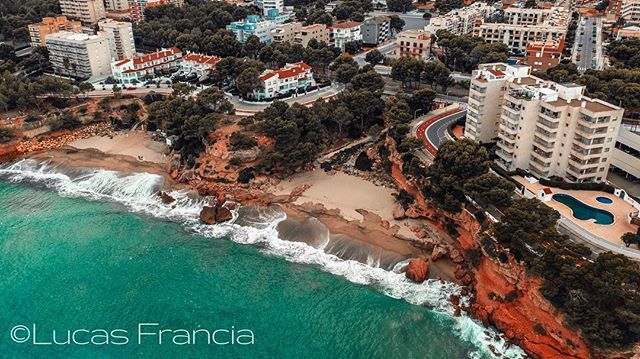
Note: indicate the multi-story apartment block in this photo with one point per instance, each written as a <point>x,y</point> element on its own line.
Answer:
<point>87,11</point>
<point>547,128</point>
<point>198,64</point>
<point>542,55</point>
<point>266,5</point>
<point>138,69</point>
<point>285,32</point>
<point>137,7</point>
<point>630,11</point>
<point>120,36</point>
<point>461,21</point>
<point>253,25</point>
<point>625,157</point>
<point>51,25</point>
<point>315,31</point>
<point>524,26</point>
<point>414,43</point>
<point>116,5</point>
<point>79,55</point>
<point>290,79</point>
<point>376,30</point>
<point>628,32</point>
<point>343,32</point>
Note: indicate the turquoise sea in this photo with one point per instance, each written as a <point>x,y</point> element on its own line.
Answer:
<point>87,251</point>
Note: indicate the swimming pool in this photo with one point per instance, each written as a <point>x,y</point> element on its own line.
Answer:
<point>604,200</point>
<point>583,211</point>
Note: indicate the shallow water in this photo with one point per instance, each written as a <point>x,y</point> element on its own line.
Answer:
<point>124,258</point>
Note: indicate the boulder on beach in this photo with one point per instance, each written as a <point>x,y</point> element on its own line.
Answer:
<point>418,270</point>
<point>398,212</point>
<point>208,215</point>
<point>223,214</point>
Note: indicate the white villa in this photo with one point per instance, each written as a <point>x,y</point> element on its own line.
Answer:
<point>289,79</point>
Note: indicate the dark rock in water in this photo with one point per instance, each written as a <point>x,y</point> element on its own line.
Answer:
<point>223,214</point>
<point>326,166</point>
<point>166,198</point>
<point>363,162</point>
<point>418,270</point>
<point>208,215</point>
<point>245,175</point>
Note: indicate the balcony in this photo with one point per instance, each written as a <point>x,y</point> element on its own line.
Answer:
<point>591,132</point>
<point>537,139</point>
<point>581,174</point>
<point>539,171</point>
<point>588,142</point>
<point>506,147</point>
<point>590,121</point>
<point>548,125</point>
<point>508,129</point>
<point>585,153</point>
<point>545,135</point>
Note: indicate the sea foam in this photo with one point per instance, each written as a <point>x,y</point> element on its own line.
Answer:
<point>138,193</point>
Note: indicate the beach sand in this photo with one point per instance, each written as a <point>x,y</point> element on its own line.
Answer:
<point>134,144</point>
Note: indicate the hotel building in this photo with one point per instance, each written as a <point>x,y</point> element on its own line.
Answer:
<point>252,25</point>
<point>51,25</point>
<point>120,36</point>
<point>523,26</point>
<point>343,32</point>
<point>79,55</point>
<point>547,128</point>
<point>87,11</point>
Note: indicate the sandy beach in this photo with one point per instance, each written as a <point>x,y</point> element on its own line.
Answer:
<point>130,143</point>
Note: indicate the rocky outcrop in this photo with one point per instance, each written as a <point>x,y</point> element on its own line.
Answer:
<point>418,270</point>
<point>398,212</point>
<point>165,197</point>
<point>215,214</point>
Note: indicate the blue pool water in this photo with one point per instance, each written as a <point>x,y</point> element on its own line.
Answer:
<point>583,211</point>
<point>604,200</point>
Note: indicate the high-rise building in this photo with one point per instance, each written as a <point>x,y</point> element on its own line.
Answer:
<point>116,5</point>
<point>120,36</point>
<point>414,43</point>
<point>87,11</point>
<point>79,55</point>
<point>137,7</point>
<point>51,25</point>
<point>630,11</point>
<point>548,128</point>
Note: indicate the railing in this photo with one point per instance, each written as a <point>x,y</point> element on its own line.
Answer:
<point>597,241</point>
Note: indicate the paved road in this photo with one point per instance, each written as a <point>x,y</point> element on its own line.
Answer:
<point>587,52</point>
<point>432,130</point>
<point>250,108</point>
<point>386,49</point>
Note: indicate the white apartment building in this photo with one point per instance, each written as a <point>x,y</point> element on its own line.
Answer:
<point>290,79</point>
<point>120,36</point>
<point>198,64</point>
<point>461,21</point>
<point>523,26</point>
<point>87,11</point>
<point>266,5</point>
<point>79,55</point>
<point>630,11</point>
<point>625,157</point>
<point>343,32</point>
<point>547,128</point>
<point>139,69</point>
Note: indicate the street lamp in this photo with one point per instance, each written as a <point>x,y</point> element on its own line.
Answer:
<point>416,112</point>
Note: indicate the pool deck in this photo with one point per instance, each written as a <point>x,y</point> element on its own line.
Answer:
<point>619,208</point>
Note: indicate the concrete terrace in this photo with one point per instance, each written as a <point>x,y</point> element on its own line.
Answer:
<point>609,232</point>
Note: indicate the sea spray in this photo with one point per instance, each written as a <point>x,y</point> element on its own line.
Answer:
<point>138,193</point>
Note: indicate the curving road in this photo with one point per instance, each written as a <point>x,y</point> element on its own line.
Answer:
<point>433,130</point>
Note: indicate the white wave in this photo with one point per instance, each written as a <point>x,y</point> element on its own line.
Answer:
<point>138,191</point>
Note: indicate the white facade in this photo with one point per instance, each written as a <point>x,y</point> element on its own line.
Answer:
<point>547,128</point>
<point>625,156</point>
<point>460,21</point>
<point>87,11</point>
<point>198,64</point>
<point>139,69</point>
<point>79,55</point>
<point>120,36</point>
<point>630,11</point>
<point>290,79</point>
<point>266,5</point>
<point>344,32</point>
<point>523,26</point>
<point>116,5</point>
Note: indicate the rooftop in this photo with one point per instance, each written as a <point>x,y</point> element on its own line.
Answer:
<point>289,70</point>
<point>346,25</point>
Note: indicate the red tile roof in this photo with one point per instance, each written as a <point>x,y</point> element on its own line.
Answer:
<point>287,71</point>
<point>497,73</point>
<point>203,59</point>
<point>156,56</point>
<point>346,25</point>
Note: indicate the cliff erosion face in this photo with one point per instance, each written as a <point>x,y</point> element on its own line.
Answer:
<point>8,152</point>
<point>509,300</point>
